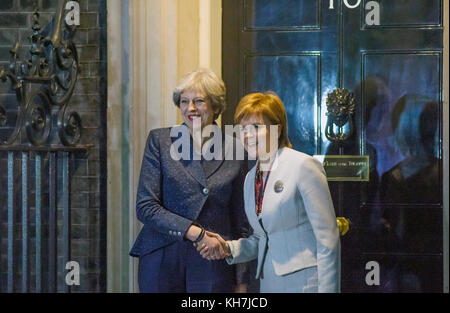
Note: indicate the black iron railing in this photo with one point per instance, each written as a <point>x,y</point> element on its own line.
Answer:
<point>43,84</point>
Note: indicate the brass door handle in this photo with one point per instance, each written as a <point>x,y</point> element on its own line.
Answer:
<point>343,225</point>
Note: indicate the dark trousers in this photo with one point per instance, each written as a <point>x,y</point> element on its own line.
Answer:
<point>179,268</point>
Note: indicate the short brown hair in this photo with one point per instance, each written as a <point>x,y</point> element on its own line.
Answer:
<point>266,105</point>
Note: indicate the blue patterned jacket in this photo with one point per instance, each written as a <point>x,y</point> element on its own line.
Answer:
<point>172,194</point>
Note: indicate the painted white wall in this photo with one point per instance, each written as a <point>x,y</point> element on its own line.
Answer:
<point>151,44</point>
<point>114,145</point>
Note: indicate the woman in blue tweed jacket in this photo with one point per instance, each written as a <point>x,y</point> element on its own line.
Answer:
<point>181,196</point>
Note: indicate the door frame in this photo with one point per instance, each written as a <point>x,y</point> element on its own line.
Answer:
<point>446,94</point>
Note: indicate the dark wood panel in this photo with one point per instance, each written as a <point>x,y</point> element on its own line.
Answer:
<point>401,229</point>
<point>296,79</point>
<point>406,13</point>
<point>281,14</point>
<point>398,273</point>
<point>401,96</point>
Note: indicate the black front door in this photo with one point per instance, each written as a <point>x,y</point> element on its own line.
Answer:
<point>389,55</point>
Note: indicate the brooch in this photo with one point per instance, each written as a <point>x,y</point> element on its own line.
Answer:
<point>279,186</point>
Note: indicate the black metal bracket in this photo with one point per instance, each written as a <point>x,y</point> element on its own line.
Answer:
<point>53,67</point>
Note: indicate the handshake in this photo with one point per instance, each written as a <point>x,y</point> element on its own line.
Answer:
<point>213,247</point>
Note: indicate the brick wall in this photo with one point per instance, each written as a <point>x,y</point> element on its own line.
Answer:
<point>88,170</point>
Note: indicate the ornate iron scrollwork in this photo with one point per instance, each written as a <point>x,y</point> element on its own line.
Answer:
<point>54,66</point>
<point>3,118</point>
<point>38,121</point>
<point>69,127</point>
<point>340,107</point>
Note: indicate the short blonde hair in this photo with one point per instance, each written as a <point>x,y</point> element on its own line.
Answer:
<point>207,82</point>
<point>266,105</point>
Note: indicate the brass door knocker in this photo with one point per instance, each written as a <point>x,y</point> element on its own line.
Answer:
<point>340,109</point>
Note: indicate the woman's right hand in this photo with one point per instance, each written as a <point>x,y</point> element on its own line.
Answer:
<point>193,232</point>
<point>209,247</point>
<point>213,247</point>
<point>223,243</point>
